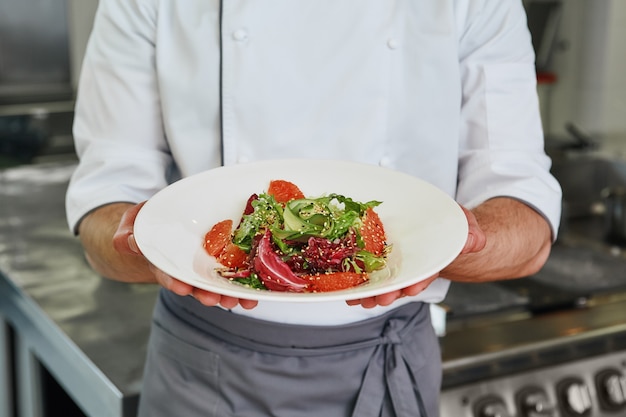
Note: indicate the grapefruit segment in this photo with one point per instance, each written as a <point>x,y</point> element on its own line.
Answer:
<point>335,281</point>
<point>284,191</point>
<point>218,237</point>
<point>232,256</point>
<point>373,233</point>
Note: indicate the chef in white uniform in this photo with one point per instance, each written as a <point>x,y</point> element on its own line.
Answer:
<point>440,89</point>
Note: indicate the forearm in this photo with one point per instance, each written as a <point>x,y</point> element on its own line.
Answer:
<point>96,232</point>
<point>518,243</point>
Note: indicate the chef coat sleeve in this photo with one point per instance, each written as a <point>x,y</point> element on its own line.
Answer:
<point>117,129</point>
<point>502,150</point>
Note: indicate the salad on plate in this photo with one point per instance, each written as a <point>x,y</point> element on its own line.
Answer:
<point>285,241</point>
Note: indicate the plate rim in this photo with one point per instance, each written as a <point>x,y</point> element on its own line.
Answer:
<point>242,292</point>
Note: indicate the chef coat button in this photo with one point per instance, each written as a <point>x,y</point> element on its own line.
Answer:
<point>385,161</point>
<point>242,159</point>
<point>392,44</point>
<point>240,35</point>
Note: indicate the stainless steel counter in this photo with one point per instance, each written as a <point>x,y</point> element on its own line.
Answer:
<point>88,332</point>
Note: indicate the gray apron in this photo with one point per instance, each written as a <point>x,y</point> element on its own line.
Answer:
<point>205,361</point>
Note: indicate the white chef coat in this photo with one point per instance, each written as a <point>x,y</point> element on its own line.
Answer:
<point>440,89</point>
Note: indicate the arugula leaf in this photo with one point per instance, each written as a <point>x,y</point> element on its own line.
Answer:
<point>253,281</point>
<point>267,213</point>
<point>370,261</point>
<point>329,217</point>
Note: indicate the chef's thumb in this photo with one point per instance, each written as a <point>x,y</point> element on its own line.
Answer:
<point>124,238</point>
<point>476,238</point>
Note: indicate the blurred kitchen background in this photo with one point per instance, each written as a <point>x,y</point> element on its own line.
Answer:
<point>580,57</point>
<point>42,43</point>
<point>551,345</point>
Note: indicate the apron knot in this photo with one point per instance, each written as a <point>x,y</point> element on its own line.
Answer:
<point>401,397</point>
<point>391,333</point>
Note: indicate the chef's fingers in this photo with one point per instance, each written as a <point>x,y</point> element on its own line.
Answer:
<point>388,298</point>
<point>418,287</point>
<point>170,283</point>
<point>248,304</point>
<point>123,238</point>
<point>212,299</point>
<point>369,302</point>
<point>379,300</point>
<point>205,297</point>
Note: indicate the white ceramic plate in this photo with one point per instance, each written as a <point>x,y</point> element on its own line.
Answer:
<point>425,226</point>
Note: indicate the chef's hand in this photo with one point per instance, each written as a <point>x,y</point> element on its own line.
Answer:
<point>124,242</point>
<point>475,242</point>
